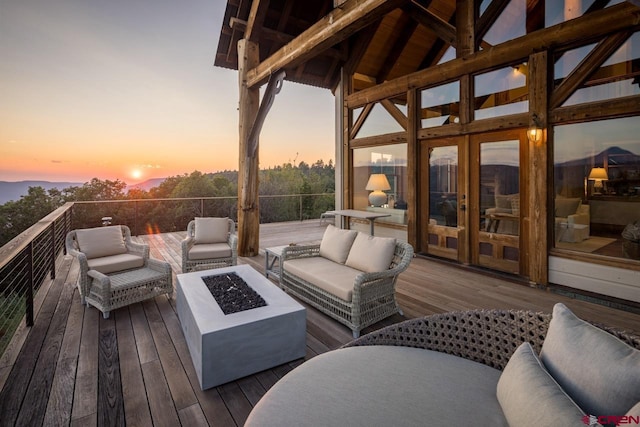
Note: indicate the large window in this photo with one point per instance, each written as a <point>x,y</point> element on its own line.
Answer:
<point>381,169</point>
<point>597,186</point>
<point>501,92</point>
<point>440,105</point>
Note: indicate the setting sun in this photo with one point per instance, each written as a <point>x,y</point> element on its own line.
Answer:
<point>136,174</point>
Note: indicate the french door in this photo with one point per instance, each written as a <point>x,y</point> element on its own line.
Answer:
<point>473,198</point>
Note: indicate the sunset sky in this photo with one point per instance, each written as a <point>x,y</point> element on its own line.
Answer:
<point>109,89</point>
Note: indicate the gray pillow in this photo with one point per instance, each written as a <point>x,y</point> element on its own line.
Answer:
<point>371,254</point>
<point>598,371</point>
<point>529,396</point>
<point>211,230</point>
<point>336,244</point>
<point>101,241</point>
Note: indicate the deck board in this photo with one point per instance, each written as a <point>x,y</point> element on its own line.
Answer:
<point>135,368</point>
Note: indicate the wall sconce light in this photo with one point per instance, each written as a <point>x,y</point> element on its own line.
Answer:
<point>597,175</point>
<point>535,131</point>
<point>377,184</point>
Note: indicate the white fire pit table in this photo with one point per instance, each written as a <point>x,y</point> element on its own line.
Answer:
<point>227,347</point>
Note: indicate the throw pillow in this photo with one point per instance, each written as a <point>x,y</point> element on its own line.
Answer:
<point>529,396</point>
<point>599,372</point>
<point>101,241</point>
<point>566,207</point>
<point>211,230</point>
<point>503,201</point>
<point>336,243</point>
<point>371,254</point>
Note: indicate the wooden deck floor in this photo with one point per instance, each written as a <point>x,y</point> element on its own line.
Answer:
<point>75,368</point>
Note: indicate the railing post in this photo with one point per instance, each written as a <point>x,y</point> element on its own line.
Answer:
<point>53,250</point>
<point>202,207</point>
<point>300,203</point>
<point>135,218</point>
<point>29,308</point>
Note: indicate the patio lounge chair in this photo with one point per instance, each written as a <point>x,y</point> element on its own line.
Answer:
<point>114,270</point>
<point>210,243</point>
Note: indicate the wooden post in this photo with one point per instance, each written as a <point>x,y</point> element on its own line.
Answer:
<point>538,171</point>
<point>248,207</point>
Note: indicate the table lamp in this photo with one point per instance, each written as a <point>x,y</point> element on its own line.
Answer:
<point>598,175</point>
<point>377,184</point>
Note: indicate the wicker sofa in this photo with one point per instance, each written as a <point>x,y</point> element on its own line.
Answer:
<point>476,367</point>
<point>349,276</point>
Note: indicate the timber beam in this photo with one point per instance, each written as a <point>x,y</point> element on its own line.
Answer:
<point>336,26</point>
<point>597,24</point>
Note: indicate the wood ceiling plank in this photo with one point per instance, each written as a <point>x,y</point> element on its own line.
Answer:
<point>442,28</point>
<point>255,21</point>
<point>335,27</point>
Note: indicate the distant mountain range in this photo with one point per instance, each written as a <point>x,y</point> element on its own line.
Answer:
<point>14,190</point>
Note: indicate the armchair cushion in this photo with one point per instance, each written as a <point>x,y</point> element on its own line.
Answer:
<point>101,241</point>
<point>336,243</point>
<point>574,347</point>
<point>529,396</point>
<point>211,230</point>
<point>210,250</point>
<point>113,263</point>
<point>566,206</point>
<point>371,254</point>
<point>503,201</point>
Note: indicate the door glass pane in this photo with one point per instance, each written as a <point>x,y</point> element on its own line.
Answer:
<point>499,187</point>
<point>443,186</point>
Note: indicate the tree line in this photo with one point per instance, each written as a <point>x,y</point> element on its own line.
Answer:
<point>138,209</point>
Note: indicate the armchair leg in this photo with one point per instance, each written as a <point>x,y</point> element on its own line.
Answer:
<point>105,315</point>
<point>356,334</point>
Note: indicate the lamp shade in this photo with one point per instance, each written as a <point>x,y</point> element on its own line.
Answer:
<point>378,181</point>
<point>598,174</point>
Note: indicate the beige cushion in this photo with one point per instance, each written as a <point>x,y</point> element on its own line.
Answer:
<point>515,206</point>
<point>503,201</point>
<point>209,251</point>
<point>336,243</point>
<point>211,230</point>
<point>337,279</point>
<point>113,263</point>
<point>529,396</point>
<point>371,254</point>
<point>101,241</point>
<point>566,207</point>
<point>599,372</point>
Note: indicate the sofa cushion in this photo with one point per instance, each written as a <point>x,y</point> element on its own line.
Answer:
<point>336,243</point>
<point>529,396</point>
<point>211,230</point>
<point>210,250</point>
<point>113,263</point>
<point>598,371</point>
<point>371,254</point>
<point>565,207</point>
<point>337,279</point>
<point>101,241</point>
<point>382,386</point>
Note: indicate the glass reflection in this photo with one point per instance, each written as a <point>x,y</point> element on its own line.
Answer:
<point>500,187</point>
<point>501,92</point>
<point>440,105</point>
<point>443,186</point>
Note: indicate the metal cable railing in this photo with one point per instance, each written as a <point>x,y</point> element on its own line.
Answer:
<point>28,260</point>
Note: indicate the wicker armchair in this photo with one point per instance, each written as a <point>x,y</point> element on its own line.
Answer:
<point>209,252</point>
<point>486,336</point>
<point>111,279</point>
<point>373,297</point>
